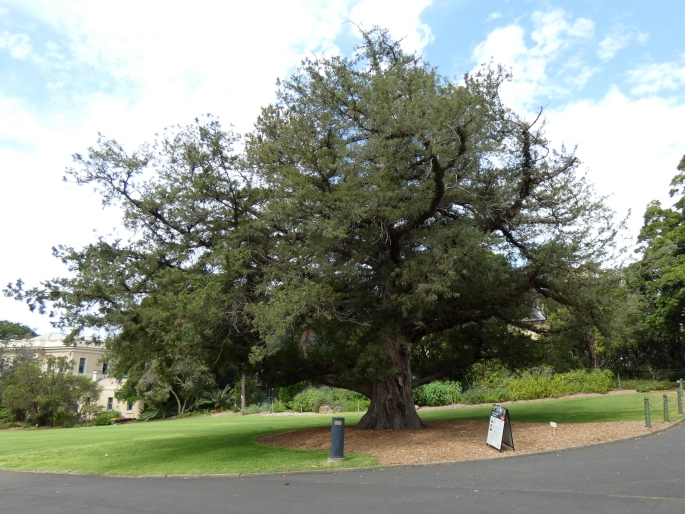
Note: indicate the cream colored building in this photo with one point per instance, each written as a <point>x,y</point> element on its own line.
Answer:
<point>88,361</point>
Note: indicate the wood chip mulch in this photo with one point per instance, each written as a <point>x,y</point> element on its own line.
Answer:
<point>446,441</point>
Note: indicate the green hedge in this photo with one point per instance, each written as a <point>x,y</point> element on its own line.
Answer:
<point>540,383</point>
<point>312,398</point>
<point>105,418</point>
<point>286,394</point>
<point>438,393</point>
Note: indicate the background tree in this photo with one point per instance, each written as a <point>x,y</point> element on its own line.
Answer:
<point>10,330</point>
<point>168,301</point>
<point>659,277</point>
<point>38,392</point>
<point>383,228</point>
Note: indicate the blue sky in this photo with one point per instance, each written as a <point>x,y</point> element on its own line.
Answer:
<point>610,74</point>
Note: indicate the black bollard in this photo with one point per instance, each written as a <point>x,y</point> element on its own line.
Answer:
<point>337,440</point>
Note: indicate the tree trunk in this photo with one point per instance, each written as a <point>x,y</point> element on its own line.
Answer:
<point>592,348</point>
<point>392,401</point>
<point>242,391</point>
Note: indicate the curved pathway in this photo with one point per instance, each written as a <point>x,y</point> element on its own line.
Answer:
<point>642,475</point>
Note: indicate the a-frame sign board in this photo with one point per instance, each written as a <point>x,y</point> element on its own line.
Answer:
<point>499,429</point>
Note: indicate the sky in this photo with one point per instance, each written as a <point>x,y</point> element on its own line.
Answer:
<point>609,75</point>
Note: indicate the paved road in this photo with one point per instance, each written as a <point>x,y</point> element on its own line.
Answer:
<point>638,476</point>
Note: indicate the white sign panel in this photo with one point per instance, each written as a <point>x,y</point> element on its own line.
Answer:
<point>495,432</point>
<point>499,429</point>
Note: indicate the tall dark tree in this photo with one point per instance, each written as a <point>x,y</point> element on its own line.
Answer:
<point>409,209</point>
<point>380,216</point>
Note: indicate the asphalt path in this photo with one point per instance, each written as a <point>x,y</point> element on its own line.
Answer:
<point>641,475</point>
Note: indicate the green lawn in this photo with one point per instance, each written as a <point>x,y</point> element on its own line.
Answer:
<point>195,445</point>
<point>625,407</point>
<point>201,445</point>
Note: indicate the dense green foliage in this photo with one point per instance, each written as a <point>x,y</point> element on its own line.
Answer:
<point>218,398</point>
<point>491,384</point>
<point>105,418</point>
<point>531,385</point>
<point>44,394</point>
<point>659,278</point>
<point>440,392</point>
<point>382,224</point>
<point>286,394</point>
<point>10,330</point>
<point>312,398</point>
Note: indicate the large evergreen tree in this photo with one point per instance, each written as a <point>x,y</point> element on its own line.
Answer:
<point>380,216</point>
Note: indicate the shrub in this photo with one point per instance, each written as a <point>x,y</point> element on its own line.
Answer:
<point>675,376</point>
<point>7,416</point>
<point>250,409</point>
<point>286,394</point>
<point>312,398</point>
<point>279,406</point>
<point>438,393</point>
<point>106,417</point>
<point>540,383</point>
<point>64,419</point>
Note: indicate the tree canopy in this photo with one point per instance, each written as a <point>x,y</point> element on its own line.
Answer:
<point>381,227</point>
<point>659,278</point>
<point>10,330</point>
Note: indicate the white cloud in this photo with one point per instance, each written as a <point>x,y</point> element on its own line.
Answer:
<point>631,147</point>
<point>642,37</point>
<point>157,64</point>
<point>400,17</point>
<point>553,32</point>
<point>652,78</point>
<point>19,45</point>
<point>494,16</point>
<point>612,43</point>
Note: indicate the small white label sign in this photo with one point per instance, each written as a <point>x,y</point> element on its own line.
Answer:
<point>495,432</point>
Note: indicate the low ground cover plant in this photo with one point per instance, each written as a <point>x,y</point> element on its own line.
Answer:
<point>644,386</point>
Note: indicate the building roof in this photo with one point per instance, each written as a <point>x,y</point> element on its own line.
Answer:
<point>51,340</point>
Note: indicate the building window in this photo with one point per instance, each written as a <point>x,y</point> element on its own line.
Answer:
<point>104,369</point>
<point>82,366</point>
<point>110,404</point>
<point>88,400</point>
<point>129,407</point>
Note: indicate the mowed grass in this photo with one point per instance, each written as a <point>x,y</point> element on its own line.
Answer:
<point>196,445</point>
<point>200,445</point>
<point>624,407</point>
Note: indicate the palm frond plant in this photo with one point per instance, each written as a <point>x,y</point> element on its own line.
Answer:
<point>218,398</point>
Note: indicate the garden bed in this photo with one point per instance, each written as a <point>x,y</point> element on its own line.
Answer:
<point>454,440</point>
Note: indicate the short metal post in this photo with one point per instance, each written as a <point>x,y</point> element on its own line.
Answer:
<point>666,408</point>
<point>648,421</point>
<point>680,387</point>
<point>337,440</point>
<point>680,402</point>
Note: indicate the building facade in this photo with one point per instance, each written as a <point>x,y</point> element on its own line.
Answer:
<point>88,360</point>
